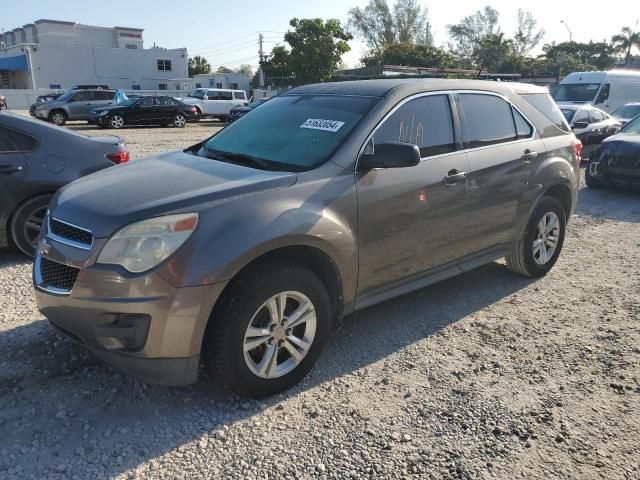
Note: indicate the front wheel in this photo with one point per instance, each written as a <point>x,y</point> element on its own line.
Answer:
<point>542,240</point>
<point>26,223</point>
<point>58,117</point>
<point>116,121</point>
<point>268,330</point>
<point>179,120</point>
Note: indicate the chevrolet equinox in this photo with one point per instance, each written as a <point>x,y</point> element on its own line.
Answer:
<point>242,250</point>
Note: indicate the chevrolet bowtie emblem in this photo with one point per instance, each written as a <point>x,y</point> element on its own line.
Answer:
<point>44,248</point>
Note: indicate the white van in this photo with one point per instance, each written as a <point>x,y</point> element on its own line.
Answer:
<point>605,90</point>
<point>215,102</point>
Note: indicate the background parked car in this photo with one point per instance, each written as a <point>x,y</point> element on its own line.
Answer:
<point>591,125</point>
<point>241,110</point>
<point>215,102</point>
<point>617,160</point>
<point>36,159</point>
<point>75,105</point>
<point>145,111</point>
<point>627,112</point>
<point>53,95</point>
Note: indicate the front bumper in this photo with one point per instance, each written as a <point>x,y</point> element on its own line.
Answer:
<point>38,113</point>
<point>140,324</point>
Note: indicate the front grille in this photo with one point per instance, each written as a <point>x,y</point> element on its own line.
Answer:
<point>69,232</point>
<point>57,275</point>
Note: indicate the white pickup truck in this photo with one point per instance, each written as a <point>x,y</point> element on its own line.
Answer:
<point>215,102</point>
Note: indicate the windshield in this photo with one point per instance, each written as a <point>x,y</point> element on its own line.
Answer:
<point>567,114</point>
<point>197,94</point>
<point>67,95</point>
<point>627,111</point>
<point>293,132</point>
<point>632,127</point>
<point>255,103</point>
<point>576,92</point>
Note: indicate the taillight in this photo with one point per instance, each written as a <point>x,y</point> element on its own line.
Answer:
<point>119,157</point>
<point>577,150</point>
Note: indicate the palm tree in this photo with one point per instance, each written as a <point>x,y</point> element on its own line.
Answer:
<point>625,41</point>
<point>492,50</point>
<point>198,65</point>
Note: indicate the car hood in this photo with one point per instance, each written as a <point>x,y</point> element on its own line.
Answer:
<point>103,109</point>
<point>632,139</point>
<point>49,104</point>
<point>172,182</point>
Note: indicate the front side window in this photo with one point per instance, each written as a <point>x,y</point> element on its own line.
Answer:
<point>164,65</point>
<point>487,120</point>
<point>82,97</point>
<point>293,132</point>
<point>425,122</point>
<point>597,116</point>
<point>146,102</point>
<point>213,95</point>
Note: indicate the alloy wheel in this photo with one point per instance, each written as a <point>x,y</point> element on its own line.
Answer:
<point>280,334</point>
<point>33,224</point>
<point>547,236</point>
<point>179,121</point>
<point>57,118</point>
<point>116,121</point>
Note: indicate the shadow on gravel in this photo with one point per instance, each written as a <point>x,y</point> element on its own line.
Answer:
<point>61,410</point>
<point>611,203</point>
<point>81,127</point>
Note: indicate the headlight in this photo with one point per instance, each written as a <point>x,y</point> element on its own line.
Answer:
<point>103,113</point>
<point>143,245</point>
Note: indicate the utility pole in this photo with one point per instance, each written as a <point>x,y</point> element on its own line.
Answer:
<point>261,54</point>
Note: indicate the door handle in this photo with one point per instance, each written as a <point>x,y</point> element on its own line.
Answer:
<point>9,169</point>
<point>453,176</point>
<point>529,155</point>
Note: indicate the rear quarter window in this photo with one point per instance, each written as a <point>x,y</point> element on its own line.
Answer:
<point>544,104</point>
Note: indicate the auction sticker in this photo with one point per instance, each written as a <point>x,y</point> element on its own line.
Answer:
<point>319,124</point>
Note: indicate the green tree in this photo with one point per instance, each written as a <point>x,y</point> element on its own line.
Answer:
<point>466,36</point>
<point>223,69</point>
<point>600,55</point>
<point>316,48</point>
<point>277,67</point>
<point>624,41</point>
<point>410,54</point>
<point>527,35</point>
<point>380,26</point>
<point>491,52</point>
<point>246,70</point>
<point>198,65</point>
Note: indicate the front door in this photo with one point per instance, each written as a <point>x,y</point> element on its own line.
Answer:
<point>411,220</point>
<point>143,112</point>
<point>502,151</point>
<point>80,105</point>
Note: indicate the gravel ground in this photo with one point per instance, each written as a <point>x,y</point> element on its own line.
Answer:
<point>487,375</point>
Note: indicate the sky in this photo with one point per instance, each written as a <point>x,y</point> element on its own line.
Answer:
<point>226,33</point>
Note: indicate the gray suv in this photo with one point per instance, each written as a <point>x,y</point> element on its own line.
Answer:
<point>75,105</point>
<point>243,250</point>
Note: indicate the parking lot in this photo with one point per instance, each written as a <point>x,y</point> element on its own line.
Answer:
<point>486,375</point>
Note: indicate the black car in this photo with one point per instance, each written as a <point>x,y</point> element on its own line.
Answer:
<point>144,111</point>
<point>36,159</point>
<point>241,110</point>
<point>617,160</point>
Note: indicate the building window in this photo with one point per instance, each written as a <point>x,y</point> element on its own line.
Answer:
<point>164,65</point>
<point>135,87</point>
<point>162,86</point>
<point>218,85</point>
<point>198,85</point>
<point>212,83</point>
<point>233,86</point>
<point>55,86</point>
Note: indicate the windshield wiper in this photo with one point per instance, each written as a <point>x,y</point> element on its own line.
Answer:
<point>239,158</point>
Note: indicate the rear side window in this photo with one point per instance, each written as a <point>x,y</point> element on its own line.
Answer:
<point>581,116</point>
<point>166,101</point>
<point>226,96</point>
<point>103,95</point>
<point>14,141</point>
<point>597,116</point>
<point>546,106</point>
<point>425,122</point>
<point>487,120</point>
<point>146,102</point>
<point>213,95</point>
<point>82,97</point>
<point>523,128</point>
<point>239,96</point>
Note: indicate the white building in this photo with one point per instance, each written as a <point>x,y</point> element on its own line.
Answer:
<point>51,54</point>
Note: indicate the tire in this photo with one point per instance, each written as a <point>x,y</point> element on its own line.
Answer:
<point>179,120</point>
<point>116,121</point>
<point>524,260</point>
<point>57,117</point>
<point>591,181</point>
<point>224,119</point>
<point>24,227</point>
<point>244,304</point>
<point>198,116</point>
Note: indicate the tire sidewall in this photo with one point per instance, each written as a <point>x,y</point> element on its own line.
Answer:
<point>546,205</point>
<point>113,116</point>
<point>229,354</point>
<point>19,217</point>
<point>56,112</point>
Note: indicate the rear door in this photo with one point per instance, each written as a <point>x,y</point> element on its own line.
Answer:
<point>226,102</point>
<point>212,103</point>
<point>411,220</point>
<point>144,112</point>
<point>167,109</point>
<point>502,148</point>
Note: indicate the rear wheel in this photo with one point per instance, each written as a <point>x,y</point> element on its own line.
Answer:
<point>58,117</point>
<point>179,120</point>
<point>268,330</point>
<point>542,240</point>
<point>116,121</point>
<point>26,223</point>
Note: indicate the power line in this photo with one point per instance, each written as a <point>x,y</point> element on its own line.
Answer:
<point>223,43</point>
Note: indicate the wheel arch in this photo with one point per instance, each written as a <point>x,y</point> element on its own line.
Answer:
<point>562,193</point>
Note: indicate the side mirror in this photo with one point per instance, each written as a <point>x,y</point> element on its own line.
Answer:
<point>390,155</point>
<point>205,98</point>
<point>579,125</point>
